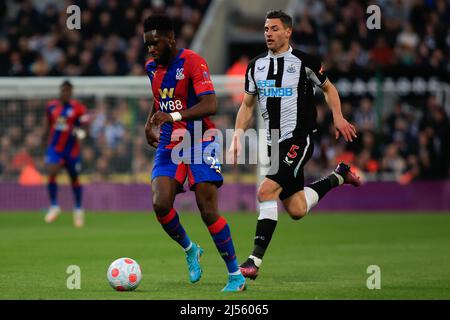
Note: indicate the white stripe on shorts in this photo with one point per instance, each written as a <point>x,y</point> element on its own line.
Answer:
<point>303,157</point>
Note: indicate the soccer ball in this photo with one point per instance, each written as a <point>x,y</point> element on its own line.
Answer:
<point>124,274</point>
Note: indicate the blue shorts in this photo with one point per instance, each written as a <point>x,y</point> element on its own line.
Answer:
<point>197,166</point>
<point>73,164</point>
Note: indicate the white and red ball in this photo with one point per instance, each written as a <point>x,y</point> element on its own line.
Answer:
<point>124,274</point>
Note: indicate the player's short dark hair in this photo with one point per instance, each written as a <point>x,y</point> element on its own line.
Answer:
<point>159,22</point>
<point>66,83</point>
<point>278,14</point>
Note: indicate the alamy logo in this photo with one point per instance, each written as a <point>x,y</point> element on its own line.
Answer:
<point>74,279</point>
<point>180,74</point>
<point>374,280</point>
<point>189,151</point>
<point>374,20</point>
<point>74,20</point>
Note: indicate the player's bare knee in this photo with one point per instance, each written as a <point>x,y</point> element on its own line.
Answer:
<point>207,210</point>
<point>264,194</point>
<point>53,171</point>
<point>161,207</point>
<point>205,205</point>
<point>209,217</point>
<point>297,213</point>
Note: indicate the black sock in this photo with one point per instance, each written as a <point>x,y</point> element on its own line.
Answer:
<point>324,185</point>
<point>264,231</point>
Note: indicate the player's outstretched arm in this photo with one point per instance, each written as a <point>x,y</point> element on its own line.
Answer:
<point>341,125</point>
<point>245,113</point>
<point>243,119</point>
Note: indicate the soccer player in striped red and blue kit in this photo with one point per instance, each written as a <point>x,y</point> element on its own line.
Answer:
<point>65,118</point>
<point>184,97</point>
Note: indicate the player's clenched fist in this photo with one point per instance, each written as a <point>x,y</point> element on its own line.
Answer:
<point>151,133</point>
<point>159,118</point>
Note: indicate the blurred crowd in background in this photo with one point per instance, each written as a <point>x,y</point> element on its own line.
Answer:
<point>413,33</point>
<point>115,148</point>
<point>34,39</point>
<point>408,140</point>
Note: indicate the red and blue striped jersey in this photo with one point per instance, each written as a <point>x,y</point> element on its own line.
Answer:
<point>177,87</point>
<point>63,118</point>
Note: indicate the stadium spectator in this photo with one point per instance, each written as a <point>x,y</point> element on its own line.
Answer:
<point>392,161</point>
<point>412,33</point>
<point>114,130</point>
<point>382,54</point>
<point>35,40</point>
<point>365,116</point>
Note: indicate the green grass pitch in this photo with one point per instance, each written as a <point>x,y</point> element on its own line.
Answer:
<point>324,256</point>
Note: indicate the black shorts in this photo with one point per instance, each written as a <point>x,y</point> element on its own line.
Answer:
<point>290,159</point>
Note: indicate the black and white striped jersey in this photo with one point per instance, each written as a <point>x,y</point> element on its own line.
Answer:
<point>284,85</point>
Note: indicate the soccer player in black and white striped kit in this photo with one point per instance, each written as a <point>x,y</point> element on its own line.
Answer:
<point>282,80</point>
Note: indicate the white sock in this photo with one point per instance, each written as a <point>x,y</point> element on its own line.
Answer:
<point>312,198</point>
<point>268,210</point>
<point>234,273</point>
<point>189,247</point>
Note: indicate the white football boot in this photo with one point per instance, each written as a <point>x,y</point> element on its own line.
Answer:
<point>78,218</point>
<point>52,214</point>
